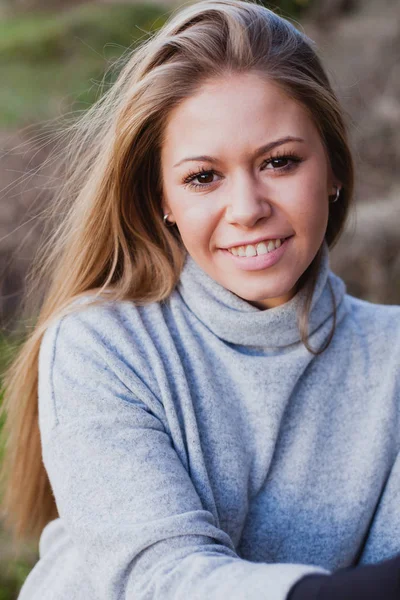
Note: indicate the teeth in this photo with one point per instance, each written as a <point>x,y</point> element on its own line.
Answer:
<point>250,250</point>
<point>262,248</point>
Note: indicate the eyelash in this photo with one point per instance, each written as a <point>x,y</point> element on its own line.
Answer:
<point>189,179</point>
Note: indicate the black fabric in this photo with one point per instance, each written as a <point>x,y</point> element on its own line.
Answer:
<point>379,581</point>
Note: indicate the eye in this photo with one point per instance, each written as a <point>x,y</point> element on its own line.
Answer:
<point>276,161</point>
<point>204,177</point>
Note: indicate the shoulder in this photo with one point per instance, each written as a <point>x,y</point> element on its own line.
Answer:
<point>100,335</point>
<point>102,322</point>
<point>380,313</point>
<point>379,322</point>
<point>97,354</point>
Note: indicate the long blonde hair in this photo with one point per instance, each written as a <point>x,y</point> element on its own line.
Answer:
<point>110,232</point>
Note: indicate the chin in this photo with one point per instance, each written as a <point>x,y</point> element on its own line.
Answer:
<point>252,291</point>
<point>265,298</point>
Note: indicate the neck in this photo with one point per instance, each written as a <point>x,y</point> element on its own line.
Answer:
<point>238,321</point>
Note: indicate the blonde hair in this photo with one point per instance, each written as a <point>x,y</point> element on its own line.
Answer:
<point>111,234</point>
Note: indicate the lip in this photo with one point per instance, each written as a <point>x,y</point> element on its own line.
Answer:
<point>263,261</point>
<point>256,241</point>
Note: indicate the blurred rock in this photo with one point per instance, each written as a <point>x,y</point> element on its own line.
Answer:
<point>361,51</point>
<point>22,199</point>
<point>323,11</point>
<point>367,255</point>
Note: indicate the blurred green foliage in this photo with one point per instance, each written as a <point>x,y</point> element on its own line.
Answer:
<point>54,36</point>
<point>12,575</point>
<point>51,63</point>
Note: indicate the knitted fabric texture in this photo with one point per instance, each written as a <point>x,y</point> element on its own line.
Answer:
<point>197,450</point>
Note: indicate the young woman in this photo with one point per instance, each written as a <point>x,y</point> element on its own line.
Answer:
<point>216,416</point>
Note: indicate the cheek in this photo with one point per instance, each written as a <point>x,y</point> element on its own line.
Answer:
<point>310,208</point>
<point>193,212</point>
<point>195,219</point>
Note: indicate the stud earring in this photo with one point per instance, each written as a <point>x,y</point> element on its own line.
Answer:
<point>168,223</point>
<point>337,195</point>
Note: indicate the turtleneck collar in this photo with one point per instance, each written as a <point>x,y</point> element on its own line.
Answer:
<point>236,321</point>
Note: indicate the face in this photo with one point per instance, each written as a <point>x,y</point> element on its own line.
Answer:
<point>234,183</point>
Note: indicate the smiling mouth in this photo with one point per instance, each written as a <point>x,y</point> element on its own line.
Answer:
<point>258,249</point>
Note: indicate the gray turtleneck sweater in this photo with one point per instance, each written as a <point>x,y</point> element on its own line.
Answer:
<point>197,450</point>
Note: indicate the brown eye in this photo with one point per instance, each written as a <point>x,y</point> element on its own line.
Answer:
<point>205,177</point>
<point>200,179</point>
<point>279,160</point>
<point>281,163</point>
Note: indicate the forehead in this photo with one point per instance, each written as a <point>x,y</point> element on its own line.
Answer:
<point>235,113</point>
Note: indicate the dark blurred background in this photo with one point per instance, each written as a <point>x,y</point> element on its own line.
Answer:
<point>55,57</point>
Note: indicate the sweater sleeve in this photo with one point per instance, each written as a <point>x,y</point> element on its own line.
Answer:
<point>377,574</point>
<point>126,500</point>
<point>382,540</point>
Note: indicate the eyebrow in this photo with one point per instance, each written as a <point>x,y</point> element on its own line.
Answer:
<point>259,152</point>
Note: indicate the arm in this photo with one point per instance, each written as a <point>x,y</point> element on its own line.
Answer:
<point>382,540</point>
<point>368,582</point>
<point>127,502</point>
<point>377,574</point>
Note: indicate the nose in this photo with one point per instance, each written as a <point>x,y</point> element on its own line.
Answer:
<point>247,202</point>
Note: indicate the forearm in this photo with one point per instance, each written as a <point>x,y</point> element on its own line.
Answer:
<point>367,582</point>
